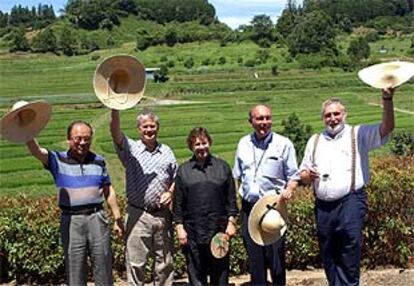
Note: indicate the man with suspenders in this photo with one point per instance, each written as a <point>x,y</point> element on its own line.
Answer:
<point>336,163</point>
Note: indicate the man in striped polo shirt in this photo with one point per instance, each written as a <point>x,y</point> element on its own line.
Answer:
<point>150,170</point>
<point>83,184</point>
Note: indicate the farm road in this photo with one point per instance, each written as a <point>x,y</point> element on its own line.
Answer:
<point>316,277</point>
<point>396,109</point>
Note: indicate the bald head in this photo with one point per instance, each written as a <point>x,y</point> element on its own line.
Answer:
<point>259,109</point>
<point>260,117</point>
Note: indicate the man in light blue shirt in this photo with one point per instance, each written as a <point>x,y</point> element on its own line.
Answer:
<point>265,162</point>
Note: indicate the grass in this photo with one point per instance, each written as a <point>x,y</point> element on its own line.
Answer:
<point>221,96</point>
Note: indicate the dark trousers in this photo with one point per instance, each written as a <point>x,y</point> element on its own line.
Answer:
<point>201,263</point>
<point>263,257</point>
<point>339,227</point>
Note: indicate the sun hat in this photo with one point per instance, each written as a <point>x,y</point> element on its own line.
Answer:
<point>391,74</point>
<point>119,81</point>
<point>268,220</point>
<point>25,120</point>
<point>219,245</point>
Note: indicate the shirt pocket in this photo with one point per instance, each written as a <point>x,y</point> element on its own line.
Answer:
<point>273,167</point>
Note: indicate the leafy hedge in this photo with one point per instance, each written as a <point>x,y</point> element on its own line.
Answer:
<point>30,239</point>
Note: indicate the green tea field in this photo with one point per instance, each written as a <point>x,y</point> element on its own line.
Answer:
<point>216,99</point>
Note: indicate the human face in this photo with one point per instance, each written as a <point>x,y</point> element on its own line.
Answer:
<point>261,120</point>
<point>148,130</point>
<point>80,141</point>
<point>201,148</point>
<point>334,117</point>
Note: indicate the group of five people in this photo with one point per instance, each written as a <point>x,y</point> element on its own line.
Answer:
<point>200,196</point>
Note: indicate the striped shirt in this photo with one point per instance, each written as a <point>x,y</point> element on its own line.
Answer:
<point>78,184</point>
<point>148,174</point>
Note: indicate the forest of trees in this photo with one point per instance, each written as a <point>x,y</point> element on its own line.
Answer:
<point>306,29</point>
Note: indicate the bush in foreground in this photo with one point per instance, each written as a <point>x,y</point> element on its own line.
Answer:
<point>30,239</point>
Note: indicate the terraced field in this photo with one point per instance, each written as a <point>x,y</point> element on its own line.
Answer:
<point>217,100</point>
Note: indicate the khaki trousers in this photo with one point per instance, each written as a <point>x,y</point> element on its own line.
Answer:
<point>151,236</point>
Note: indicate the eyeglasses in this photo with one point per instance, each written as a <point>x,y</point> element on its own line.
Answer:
<point>79,139</point>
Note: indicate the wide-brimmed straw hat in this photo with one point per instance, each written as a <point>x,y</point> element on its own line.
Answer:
<point>219,245</point>
<point>25,120</point>
<point>119,81</point>
<point>391,74</point>
<point>268,220</point>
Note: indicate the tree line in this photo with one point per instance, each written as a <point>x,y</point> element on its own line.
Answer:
<point>104,14</point>
<point>308,30</point>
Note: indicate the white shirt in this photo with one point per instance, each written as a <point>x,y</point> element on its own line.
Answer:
<point>333,160</point>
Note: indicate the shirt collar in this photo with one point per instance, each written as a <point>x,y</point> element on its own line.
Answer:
<point>337,136</point>
<point>89,157</point>
<point>194,164</point>
<point>144,148</point>
<point>262,144</point>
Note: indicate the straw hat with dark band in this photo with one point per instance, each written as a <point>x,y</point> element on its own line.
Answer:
<point>25,120</point>
<point>268,220</point>
<point>119,81</point>
<point>391,74</point>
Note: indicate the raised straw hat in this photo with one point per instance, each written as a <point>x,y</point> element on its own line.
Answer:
<point>268,220</point>
<point>219,245</point>
<point>25,120</point>
<point>391,74</point>
<point>119,81</point>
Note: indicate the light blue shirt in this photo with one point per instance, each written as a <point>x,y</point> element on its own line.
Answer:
<point>262,166</point>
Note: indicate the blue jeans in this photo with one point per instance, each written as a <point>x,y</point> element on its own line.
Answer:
<point>83,235</point>
<point>339,225</point>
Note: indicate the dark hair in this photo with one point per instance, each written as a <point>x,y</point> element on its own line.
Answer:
<point>197,132</point>
<point>76,122</point>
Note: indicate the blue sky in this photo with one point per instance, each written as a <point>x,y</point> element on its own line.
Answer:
<point>231,12</point>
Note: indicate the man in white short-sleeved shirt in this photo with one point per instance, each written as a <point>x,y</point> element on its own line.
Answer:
<point>336,163</point>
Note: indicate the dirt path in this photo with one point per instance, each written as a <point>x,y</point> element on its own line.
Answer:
<point>386,277</point>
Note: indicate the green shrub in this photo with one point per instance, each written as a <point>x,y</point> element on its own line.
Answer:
<point>402,144</point>
<point>359,49</point>
<point>189,63</point>
<point>250,63</point>
<point>30,238</point>
<point>222,60</point>
<point>274,69</point>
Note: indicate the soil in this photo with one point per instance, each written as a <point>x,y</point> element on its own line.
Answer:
<point>385,277</point>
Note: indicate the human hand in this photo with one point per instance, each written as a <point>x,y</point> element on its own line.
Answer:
<point>309,175</point>
<point>119,228</point>
<point>181,235</point>
<point>286,194</point>
<point>388,93</point>
<point>165,199</point>
<point>230,230</point>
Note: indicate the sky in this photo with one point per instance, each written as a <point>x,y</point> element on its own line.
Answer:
<point>231,12</point>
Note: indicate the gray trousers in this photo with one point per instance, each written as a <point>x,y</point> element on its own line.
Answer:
<point>151,236</point>
<point>83,235</point>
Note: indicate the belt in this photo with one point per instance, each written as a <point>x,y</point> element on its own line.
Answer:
<point>147,209</point>
<point>339,200</point>
<point>82,210</point>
